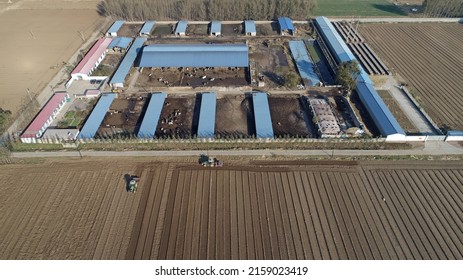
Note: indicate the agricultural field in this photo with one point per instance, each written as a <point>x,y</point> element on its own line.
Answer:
<point>46,33</point>
<point>428,59</point>
<point>371,8</point>
<point>248,209</point>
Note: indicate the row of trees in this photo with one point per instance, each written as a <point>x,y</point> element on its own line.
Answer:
<point>206,9</point>
<point>443,8</point>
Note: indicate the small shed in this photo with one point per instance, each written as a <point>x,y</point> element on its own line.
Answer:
<point>180,30</point>
<point>286,26</point>
<point>206,125</point>
<point>112,31</point>
<point>216,28</point>
<point>262,117</point>
<point>250,28</point>
<point>147,28</point>
<point>120,44</point>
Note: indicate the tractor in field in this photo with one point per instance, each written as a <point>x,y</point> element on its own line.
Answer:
<point>133,183</point>
<point>208,161</point>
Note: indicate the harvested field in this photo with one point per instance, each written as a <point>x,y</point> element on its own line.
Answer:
<point>289,117</point>
<point>45,34</point>
<point>246,210</point>
<point>177,117</point>
<point>397,112</point>
<point>123,117</point>
<point>129,30</point>
<point>428,58</point>
<point>193,77</point>
<point>232,29</point>
<point>234,116</point>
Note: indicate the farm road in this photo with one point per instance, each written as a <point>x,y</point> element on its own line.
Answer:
<point>435,148</point>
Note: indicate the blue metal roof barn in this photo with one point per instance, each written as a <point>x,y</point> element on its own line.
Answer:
<point>151,118</point>
<point>262,116</point>
<point>286,25</point>
<point>181,27</point>
<point>120,42</point>
<point>303,63</point>
<point>112,31</point>
<point>97,116</point>
<point>250,27</point>
<point>147,27</point>
<point>124,68</point>
<point>216,28</point>
<point>206,126</point>
<point>375,106</point>
<point>205,55</point>
<point>333,40</point>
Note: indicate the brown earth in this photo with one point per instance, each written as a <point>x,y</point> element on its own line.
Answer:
<point>234,116</point>
<point>288,116</point>
<point>428,57</point>
<point>123,116</point>
<point>41,35</point>
<point>129,30</point>
<point>398,113</point>
<point>246,210</point>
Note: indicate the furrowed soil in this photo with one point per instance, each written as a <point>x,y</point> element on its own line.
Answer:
<point>427,56</point>
<point>266,209</point>
<point>39,37</point>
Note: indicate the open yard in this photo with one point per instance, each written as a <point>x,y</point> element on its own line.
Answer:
<point>123,117</point>
<point>428,58</point>
<point>397,112</point>
<point>41,36</point>
<point>129,30</point>
<point>289,117</point>
<point>176,118</point>
<point>246,210</point>
<point>271,60</point>
<point>234,116</point>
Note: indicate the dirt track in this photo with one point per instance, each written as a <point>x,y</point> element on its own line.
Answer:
<point>281,210</point>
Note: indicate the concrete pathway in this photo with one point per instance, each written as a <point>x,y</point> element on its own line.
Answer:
<point>437,148</point>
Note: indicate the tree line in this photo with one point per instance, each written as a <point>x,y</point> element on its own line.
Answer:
<point>443,8</point>
<point>134,10</point>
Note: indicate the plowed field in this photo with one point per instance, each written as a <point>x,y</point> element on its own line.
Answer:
<point>245,210</point>
<point>429,58</point>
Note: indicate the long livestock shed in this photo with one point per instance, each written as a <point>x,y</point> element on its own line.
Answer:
<point>303,63</point>
<point>112,31</point>
<point>97,116</point>
<point>286,25</point>
<point>119,77</point>
<point>147,28</point>
<point>43,119</point>
<point>153,112</point>
<point>250,27</point>
<point>377,109</point>
<point>216,28</point>
<point>206,126</point>
<point>262,116</point>
<point>92,59</point>
<point>180,30</point>
<point>195,55</point>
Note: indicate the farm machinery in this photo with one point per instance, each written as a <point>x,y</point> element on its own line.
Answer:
<point>133,183</point>
<point>208,161</point>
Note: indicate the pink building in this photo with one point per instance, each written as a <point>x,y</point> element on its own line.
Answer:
<point>46,116</point>
<point>91,60</point>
